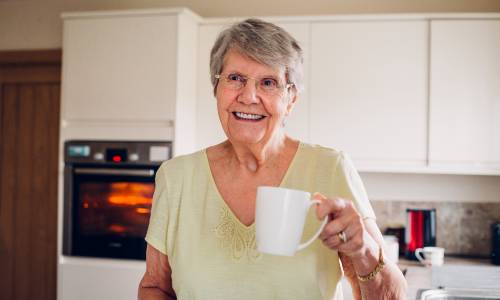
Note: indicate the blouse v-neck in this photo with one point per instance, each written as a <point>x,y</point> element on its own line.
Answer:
<point>219,195</point>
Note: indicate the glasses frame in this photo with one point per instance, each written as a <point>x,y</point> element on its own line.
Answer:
<point>280,88</point>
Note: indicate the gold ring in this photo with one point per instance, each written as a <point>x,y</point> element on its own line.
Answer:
<point>342,236</point>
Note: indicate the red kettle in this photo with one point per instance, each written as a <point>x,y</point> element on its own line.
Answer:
<point>420,230</point>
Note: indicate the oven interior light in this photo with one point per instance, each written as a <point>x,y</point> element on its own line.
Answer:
<point>117,228</point>
<point>142,210</point>
<point>129,200</point>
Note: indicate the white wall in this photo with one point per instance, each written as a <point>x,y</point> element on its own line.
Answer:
<point>35,24</point>
<point>431,187</point>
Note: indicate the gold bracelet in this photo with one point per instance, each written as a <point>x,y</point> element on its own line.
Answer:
<point>375,271</point>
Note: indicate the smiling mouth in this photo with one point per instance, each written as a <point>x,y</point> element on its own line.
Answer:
<point>247,117</point>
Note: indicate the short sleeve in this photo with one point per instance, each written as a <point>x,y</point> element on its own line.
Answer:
<point>349,186</point>
<point>158,222</point>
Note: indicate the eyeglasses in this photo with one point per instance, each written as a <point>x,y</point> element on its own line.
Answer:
<point>266,85</point>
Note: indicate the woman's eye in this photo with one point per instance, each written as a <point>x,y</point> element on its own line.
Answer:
<point>235,77</point>
<point>269,83</point>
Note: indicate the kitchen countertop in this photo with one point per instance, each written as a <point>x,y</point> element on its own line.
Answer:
<point>420,277</point>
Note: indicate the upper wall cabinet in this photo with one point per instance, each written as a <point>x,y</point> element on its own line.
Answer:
<point>209,130</point>
<point>369,91</point>
<point>297,124</point>
<point>118,68</point>
<point>465,95</point>
<point>131,66</point>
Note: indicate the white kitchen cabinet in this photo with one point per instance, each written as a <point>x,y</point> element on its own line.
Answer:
<point>131,67</point>
<point>368,91</point>
<point>209,130</point>
<point>99,279</point>
<point>465,95</point>
<point>297,124</point>
<point>127,75</point>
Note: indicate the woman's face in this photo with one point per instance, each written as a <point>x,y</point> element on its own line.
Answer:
<point>253,113</point>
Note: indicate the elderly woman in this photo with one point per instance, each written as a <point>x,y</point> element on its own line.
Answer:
<point>201,236</point>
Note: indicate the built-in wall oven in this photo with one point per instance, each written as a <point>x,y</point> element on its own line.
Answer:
<point>108,191</point>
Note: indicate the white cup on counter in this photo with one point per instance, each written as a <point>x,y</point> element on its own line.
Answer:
<point>430,256</point>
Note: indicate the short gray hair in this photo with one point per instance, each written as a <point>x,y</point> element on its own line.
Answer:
<point>263,42</point>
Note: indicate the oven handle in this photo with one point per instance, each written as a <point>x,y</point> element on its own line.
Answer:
<point>127,172</point>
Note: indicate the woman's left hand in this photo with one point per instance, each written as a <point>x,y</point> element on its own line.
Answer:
<point>345,230</point>
<point>359,243</point>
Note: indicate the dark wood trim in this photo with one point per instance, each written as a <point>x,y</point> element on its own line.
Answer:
<point>30,66</point>
<point>31,73</point>
<point>49,56</point>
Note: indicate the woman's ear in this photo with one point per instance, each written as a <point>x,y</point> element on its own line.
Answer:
<point>292,99</point>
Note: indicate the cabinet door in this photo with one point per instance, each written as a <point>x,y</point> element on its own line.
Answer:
<point>119,68</point>
<point>369,91</point>
<point>209,130</point>
<point>297,123</point>
<point>465,94</point>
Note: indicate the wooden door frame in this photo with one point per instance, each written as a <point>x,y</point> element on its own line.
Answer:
<point>20,57</point>
<point>36,58</point>
<point>13,62</point>
<point>20,69</point>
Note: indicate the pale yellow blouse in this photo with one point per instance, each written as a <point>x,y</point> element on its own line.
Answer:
<point>213,255</point>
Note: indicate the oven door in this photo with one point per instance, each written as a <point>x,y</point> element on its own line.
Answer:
<point>108,211</point>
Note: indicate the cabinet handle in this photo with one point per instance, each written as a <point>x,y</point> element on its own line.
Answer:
<point>126,172</point>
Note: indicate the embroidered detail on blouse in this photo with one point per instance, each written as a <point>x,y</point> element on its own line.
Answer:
<point>235,238</point>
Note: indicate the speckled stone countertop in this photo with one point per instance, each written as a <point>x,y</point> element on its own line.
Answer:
<point>420,277</point>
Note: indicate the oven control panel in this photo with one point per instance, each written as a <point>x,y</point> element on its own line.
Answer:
<point>115,152</point>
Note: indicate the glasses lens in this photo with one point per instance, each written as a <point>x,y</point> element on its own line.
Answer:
<point>268,86</point>
<point>235,81</point>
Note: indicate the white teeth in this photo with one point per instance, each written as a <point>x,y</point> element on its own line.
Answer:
<point>248,116</point>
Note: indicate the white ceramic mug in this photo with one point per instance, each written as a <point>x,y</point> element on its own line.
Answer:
<point>432,256</point>
<point>391,248</point>
<point>280,216</point>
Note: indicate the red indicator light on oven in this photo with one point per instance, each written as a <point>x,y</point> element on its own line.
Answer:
<point>117,158</point>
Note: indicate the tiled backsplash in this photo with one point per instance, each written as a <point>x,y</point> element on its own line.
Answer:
<point>462,227</point>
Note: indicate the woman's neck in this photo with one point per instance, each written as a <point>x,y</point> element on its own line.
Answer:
<point>254,157</point>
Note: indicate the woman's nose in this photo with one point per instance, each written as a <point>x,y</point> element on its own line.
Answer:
<point>248,93</point>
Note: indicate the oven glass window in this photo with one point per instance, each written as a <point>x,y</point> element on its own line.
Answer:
<point>114,208</point>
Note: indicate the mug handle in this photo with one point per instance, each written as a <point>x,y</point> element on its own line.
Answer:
<point>315,236</point>
<point>418,255</point>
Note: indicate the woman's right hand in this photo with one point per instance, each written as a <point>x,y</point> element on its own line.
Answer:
<point>157,280</point>
<point>345,231</point>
